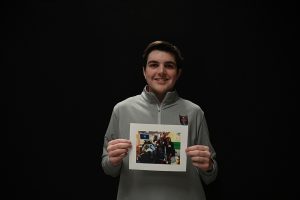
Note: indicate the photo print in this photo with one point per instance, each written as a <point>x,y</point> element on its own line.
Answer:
<point>158,147</point>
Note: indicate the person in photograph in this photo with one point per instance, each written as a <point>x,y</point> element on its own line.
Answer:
<point>148,151</point>
<point>170,150</point>
<point>160,103</point>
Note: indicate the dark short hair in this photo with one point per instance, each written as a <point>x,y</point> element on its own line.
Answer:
<point>163,46</point>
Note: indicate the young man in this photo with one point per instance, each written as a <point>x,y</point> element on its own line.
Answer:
<point>159,103</point>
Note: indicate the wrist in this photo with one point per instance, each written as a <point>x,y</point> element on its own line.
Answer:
<point>211,165</point>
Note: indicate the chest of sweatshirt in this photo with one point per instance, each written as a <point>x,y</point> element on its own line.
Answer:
<point>137,110</point>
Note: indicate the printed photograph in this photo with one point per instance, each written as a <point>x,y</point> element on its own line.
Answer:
<point>158,147</point>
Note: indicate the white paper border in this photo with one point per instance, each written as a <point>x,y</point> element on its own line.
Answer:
<point>182,129</point>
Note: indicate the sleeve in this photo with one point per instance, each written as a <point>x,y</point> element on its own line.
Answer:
<point>203,139</point>
<point>111,133</point>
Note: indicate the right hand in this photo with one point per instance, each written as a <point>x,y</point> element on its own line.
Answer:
<point>117,149</point>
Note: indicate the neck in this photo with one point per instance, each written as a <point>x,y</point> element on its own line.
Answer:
<point>160,97</point>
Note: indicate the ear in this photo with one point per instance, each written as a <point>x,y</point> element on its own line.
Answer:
<point>144,73</point>
<point>179,73</point>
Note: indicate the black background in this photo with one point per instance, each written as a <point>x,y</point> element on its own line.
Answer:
<point>66,64</point>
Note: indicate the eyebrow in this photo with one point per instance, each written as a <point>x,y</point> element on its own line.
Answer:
<point>168,62</point>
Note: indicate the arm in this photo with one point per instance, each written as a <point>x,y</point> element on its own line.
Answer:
<point>114,150</point>
<point>202,154</point>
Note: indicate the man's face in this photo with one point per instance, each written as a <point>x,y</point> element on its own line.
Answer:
<point>161,72</point>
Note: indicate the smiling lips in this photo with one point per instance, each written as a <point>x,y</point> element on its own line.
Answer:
<point>161,80</point>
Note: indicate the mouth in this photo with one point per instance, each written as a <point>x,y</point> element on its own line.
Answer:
<point>161,79</point>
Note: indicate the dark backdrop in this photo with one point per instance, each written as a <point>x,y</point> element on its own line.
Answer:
<point>69,63</point>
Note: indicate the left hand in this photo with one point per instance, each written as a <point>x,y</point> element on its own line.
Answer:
<point>200,156</point>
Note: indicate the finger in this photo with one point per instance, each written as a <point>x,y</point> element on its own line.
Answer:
<point>200,160</point>
<point>118,146</point>
<point>199,153</point>
<point>203,166</point>
<point>118,153</point>
<point>116,141</point>
<point>197,147</point>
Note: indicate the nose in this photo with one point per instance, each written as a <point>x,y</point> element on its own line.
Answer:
<point>161,69</point>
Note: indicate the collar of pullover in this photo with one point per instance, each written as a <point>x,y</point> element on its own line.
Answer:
<point>170,98</point>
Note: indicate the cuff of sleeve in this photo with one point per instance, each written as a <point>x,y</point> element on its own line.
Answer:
<point>212,169</point>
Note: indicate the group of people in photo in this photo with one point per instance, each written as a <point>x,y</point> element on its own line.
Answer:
<point>159,150</point>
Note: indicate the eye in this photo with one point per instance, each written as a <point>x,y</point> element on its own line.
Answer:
<point>170,65</point>
<point>152,65</point>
